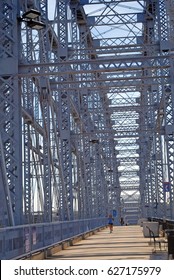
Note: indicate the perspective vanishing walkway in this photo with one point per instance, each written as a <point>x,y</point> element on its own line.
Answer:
<point>125,243</point>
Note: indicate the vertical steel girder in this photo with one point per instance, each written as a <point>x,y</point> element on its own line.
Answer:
<point>64,111</point>
<point>10,114</point>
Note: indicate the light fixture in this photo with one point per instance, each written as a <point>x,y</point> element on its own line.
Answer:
<point>110,170</point>
<point>94,141</point>
<point>31,14</point>
<point>30,17</point>
<point>34,24</point>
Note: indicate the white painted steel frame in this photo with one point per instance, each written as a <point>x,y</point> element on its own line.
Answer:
<point>86,118</point>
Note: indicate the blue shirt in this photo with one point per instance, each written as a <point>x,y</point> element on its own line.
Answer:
<point>110,220</point>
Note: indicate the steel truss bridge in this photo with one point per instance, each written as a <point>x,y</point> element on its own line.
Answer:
<point>86,111</point>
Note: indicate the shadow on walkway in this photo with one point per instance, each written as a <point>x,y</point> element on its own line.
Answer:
<point>125,243</point>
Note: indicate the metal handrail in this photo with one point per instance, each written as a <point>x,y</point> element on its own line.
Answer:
<point>26,239</point>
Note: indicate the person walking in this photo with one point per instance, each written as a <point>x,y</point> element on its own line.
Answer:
<point>121,221</point>
<point>110,223</point>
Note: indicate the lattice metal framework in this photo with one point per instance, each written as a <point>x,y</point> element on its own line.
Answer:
<point>86,110</point>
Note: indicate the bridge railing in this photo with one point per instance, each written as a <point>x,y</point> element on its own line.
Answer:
<point>165,223</point>
<point>20,241</point>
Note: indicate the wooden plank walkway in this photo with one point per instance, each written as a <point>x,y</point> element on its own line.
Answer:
<point>125,243</point>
